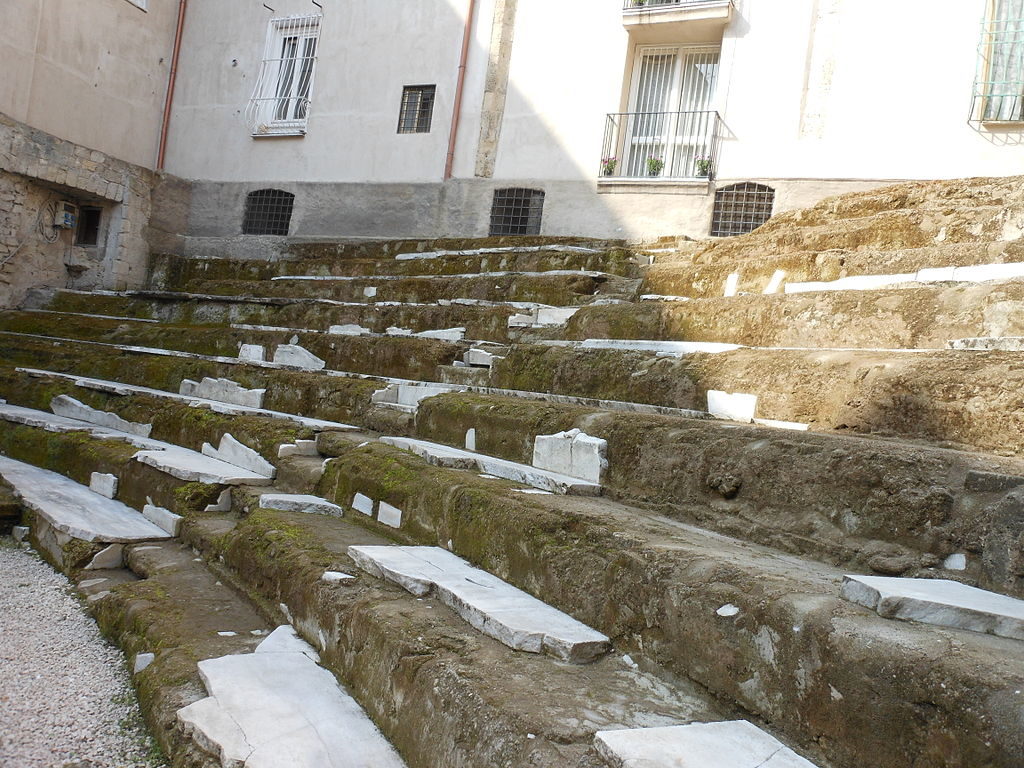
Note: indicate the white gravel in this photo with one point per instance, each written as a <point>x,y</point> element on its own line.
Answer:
<point>65,695</point>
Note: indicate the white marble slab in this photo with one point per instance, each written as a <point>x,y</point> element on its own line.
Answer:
<point>349,329</point>
<point>70,408</point>
<point>73,509</point>
<point>572,453</point>
<point>252,352</point>
<point>389,515</point>
<point>163,518</point>
<point>732,744</point>
<point>363,503</point>
<point>734,406</point>
<point>462,276</point>
<point>294,502</point>
<point>489,604</point>
<point>989,343</point>
<point>276,707</point>
<point>194,467</point>
<point>104,484</point>
<point>407,397</point>
<point>938,601</point>
<point>297,356</point>
<point>677,348</point>
<point>457,458</point>
<point>232,451</point>
<point>223,391</point>
<point>506,249</point>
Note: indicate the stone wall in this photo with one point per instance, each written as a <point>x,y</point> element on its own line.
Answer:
<point>38,170</point>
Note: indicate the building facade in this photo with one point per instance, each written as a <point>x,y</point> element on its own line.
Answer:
<point>393,118</point>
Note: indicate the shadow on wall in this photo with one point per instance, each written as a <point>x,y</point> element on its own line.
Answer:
<point>557,134</point>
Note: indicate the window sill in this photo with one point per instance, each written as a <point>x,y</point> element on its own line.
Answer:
<point>657,185</point>
<point>1004,123</point>
<point>290,133</point>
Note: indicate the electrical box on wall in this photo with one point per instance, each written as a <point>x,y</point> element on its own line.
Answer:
<point>66,215</point>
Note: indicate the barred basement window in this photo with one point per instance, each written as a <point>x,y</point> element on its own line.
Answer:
<point>417,108</point>
<point>517,211</point>
<point>280,100</point>
<point>268,212</point>
<point>999,86</point>
<point>741,208</point>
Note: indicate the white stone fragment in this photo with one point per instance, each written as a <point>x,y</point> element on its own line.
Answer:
<point>298,357</point>
<point>194,467</point>
<point>349,329</point>
<point>471,439</point>
<point>298,448</point>
<point>407,397</point>
<point>227,634</point>
<point>660,297</point>
<point>573,453</point>
<point>445,334</point>
<point>983,273</point>
<point>728,610</point>
<point>334,577</point>
<point>480,358</point>
<point>233,452</point>
<point>732,283</point>
<point>676,348</point>
<point>288,502</point>
<point>224,391</point>
<point>395,331</point>
<point>142,660</point>
<point>457,458</point>
<point>72,509</point>
<point>284,639</point>
<point>103,484</point>
<point>731,744</point>
<point>223,502</point>
<point>956,562</point>
<point>279,708</point>
<point>363,504</point>
<point>542,317</point>
<point>993,343</point>
<point>489,604</point>
<point>253,352</point>
<point>775,282</point>
<point>938,601</point>
<point>164,518</point>
<point>369,292</point>
<point>389,515</point>
<point>70,408</point>
<point>733,406</point>
<point>795,426</point>
<point>20,532</point>
<point>108,558</point>
<point>856,283</point>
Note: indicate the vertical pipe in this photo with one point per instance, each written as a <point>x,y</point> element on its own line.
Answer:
<point>165,125</point>
<point>457,108</point>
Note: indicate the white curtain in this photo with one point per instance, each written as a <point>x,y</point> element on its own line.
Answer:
<point>1005,53</point>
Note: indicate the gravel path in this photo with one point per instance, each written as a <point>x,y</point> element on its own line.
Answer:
<point>65,695</point>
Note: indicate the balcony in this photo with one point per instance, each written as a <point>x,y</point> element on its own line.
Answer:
<point>656,21</point>
<point>646,148</point>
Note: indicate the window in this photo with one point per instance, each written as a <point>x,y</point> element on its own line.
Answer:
<point>670,127</point>
<point>280,101</point>
<point>88,230</point>
<point>268,212</point>
<point>741,208</point>
<point>517,211</point>
<point>417,108</point>
<point>999,89</point>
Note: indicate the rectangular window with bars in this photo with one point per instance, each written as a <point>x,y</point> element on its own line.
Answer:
<point>516,211</point>
<point>999,88</point>
<point>417,108</point>
<point>281,98</point>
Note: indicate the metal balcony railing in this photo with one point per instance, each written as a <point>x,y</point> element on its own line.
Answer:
<point>667,145</point>
<point>643,5</point>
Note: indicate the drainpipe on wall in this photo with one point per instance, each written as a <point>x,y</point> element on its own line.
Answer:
<point>165,125</point>
<point>457,108</point>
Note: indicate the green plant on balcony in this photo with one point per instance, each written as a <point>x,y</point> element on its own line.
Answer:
<point>608,165</point>
<point>703,166</point>
<point>655,165</point>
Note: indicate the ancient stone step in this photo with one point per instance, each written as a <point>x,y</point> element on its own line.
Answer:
<point>277,706</point>
<point>509,615</point>
<point>67,511</point>
<point>737,618</point>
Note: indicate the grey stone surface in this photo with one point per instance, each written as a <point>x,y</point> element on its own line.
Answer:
<point>457,458</point>
<point>107,558</point>
<point>223,502</point>
<point>192,466</point>
<point>103,484</point>
<point>389,515</point>
<point>234,452</point>
<point>289,502</point>
<point>489,604</point>
<point>733,744</point>
<point>407,397</point>
<point>1000,343</point>
<point>253,352</point>
<point>70,408</point>
<point>20,532</point>
<point>363,503</point>
<point>938,601</point>
<point>674,348</point>
<point>276,707</point>
<point>164,518</point>
<point>991,482</point>
<point>480,357</point>
<point>298,357</point>
<point>224,391</point>
<point>349,329</point>
<point>732,406</point>
<point>298,448</point>
<point>74,510</point>
<point>573,453</point>
<point>142,660</point>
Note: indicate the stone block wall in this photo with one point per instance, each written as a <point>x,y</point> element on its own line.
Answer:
<point>36,171</point>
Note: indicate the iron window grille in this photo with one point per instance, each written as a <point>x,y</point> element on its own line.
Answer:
<point>999,86</point>
<point>281,97</point>
<point>268,212</point>
<point>643,5</point>
<point>417,108</point>
<point>516,211</point>
<point>741,208</point>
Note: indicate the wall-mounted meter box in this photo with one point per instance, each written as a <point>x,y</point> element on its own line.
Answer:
<point>66,215</point>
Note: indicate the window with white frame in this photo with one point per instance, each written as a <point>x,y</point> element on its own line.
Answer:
<point>281,99</point>
<point>670,127</point>
<point>999,89</point>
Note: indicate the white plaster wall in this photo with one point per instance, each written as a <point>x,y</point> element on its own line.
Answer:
<point>93,72</point>
<point>369,49</point>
